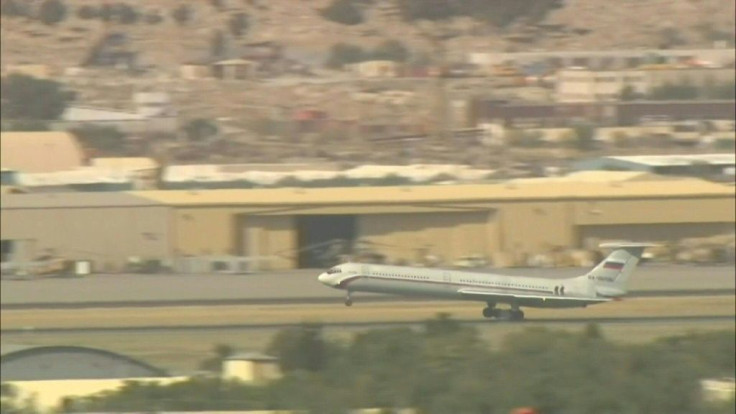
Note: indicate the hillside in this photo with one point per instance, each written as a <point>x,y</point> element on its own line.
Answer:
<point>579,24</point>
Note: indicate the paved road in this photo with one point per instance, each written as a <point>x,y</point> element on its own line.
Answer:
<point>295,286</point>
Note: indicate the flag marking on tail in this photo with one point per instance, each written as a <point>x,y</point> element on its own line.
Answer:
<point>613,265</point>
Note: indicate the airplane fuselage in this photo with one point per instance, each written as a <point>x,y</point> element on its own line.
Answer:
<point>449,284</point>
<point>605,282</point>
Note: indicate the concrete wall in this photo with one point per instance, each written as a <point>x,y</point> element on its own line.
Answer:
<point>105,235</point>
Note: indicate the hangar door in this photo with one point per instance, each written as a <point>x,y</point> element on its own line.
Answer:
<point>323,239</point>
<point>411,237</point>
<point>269,240</point>
<point>660,232</point>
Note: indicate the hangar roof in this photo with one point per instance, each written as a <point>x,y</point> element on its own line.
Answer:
<point>21,363</point>
<point>671,160</point>
<point>124,163</point>
<point>599,176</point>
<point>58,200</point>
<point>441,193</point>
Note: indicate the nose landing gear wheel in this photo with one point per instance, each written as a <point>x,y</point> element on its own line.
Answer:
<point>348,300</point>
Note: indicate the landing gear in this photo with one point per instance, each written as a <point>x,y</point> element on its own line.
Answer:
<point>513,314</point>
<point>348,300</point>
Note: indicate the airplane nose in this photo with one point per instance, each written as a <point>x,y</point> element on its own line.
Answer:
<point>322,278</point>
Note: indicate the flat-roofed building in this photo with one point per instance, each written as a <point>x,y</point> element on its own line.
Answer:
<point>696,165</point>
<point>312,227</point>
<point>40,151</point>
<point>294,225</point>
<point>585,85</point>
<point>106,228</point>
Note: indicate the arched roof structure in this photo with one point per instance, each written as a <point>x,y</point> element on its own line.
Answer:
<point>70,362</point>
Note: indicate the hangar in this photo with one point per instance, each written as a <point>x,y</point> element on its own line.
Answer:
<point>105,228</point>
<point>49,374</point>
<point>38,363</point>
<point>297,227</point>
<point>493,220</point>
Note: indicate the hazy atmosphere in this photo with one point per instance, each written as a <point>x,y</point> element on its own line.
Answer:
<point>368,206</point>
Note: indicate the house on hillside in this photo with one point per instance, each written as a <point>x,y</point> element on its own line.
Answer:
<point>126,122</point>
<point>376,69</point>
<point>234,69</point>
<point>195,70</point>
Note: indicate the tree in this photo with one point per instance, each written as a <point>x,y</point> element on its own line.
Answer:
<point>107,12</point>
<point>722,91</point>
<point>671,91</point>
<point>199,129</point>
<point>52,12</point>
<point>13,8</point>
<point>238,24</point>
<point>87,12</point>
<point>153,18</point>
<point>218,45</point>
<point>301,348</point>
<point>584,134</point>
<point>343,12</point>
<point>28,98</point>
<point>628,93</point>
<point>391,50</point>
<point>104,139</point>
<point>25,125</point>
<point>126,14</point>
<point>497,12</point>
<point>182,14</point>
<point>220,353</point>
<point>343,54</point>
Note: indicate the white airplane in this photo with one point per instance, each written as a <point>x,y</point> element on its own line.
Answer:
<point>606,282</point>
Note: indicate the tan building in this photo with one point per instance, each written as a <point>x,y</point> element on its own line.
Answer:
<point>405,223</point>
<point>106,228</point>
<point>585,85</point>
<point>234,69</point>
<point>376,69</point>
<point>36,70</point>
<point>306,228</point>
<point>251,367</point>
<point>43,151</point>
<point>193,71</point>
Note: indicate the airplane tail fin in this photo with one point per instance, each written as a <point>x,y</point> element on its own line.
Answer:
<point>609,278</point>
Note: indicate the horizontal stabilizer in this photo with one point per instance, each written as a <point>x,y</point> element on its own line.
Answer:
<point>624,245</point>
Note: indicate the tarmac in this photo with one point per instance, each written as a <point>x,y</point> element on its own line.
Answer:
<point>301,286</point>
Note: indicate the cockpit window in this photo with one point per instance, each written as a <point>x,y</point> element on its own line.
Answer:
<point>334,270</point>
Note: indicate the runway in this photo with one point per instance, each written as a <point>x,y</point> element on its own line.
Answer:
<point>300,287</point>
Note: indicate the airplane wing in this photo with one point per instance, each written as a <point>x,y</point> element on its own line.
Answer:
<point>525,299</point>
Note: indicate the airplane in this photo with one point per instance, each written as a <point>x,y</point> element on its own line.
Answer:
<point>604,283</point>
